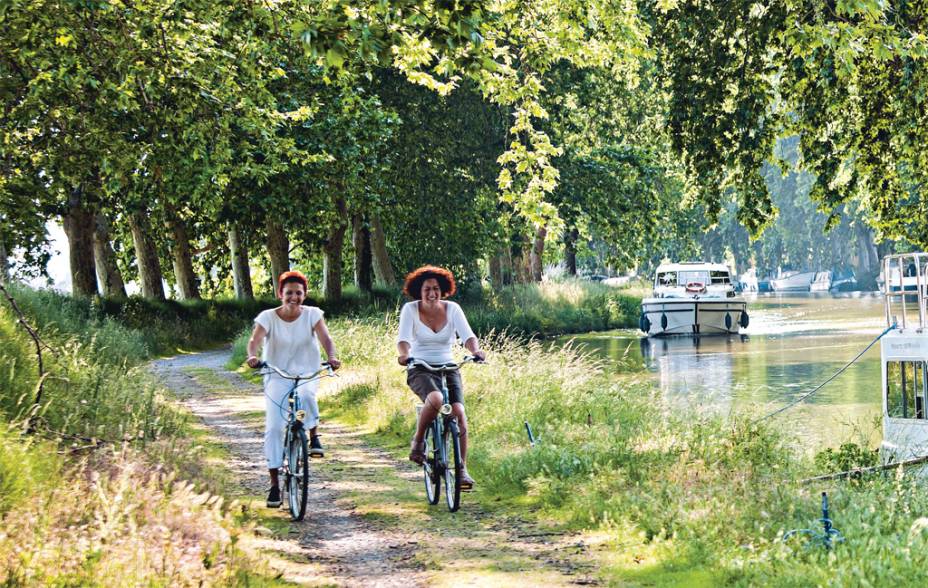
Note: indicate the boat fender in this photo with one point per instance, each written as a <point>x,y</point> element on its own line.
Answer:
<point>663,321</point>
<point>644,323</point>
<point>728,320</point>
<point>744,319</point>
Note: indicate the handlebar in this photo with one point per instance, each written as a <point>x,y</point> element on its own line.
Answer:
<point>443,367</point>
<point>325,372</point>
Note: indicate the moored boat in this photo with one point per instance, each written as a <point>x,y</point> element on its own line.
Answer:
<point>904,358</point>
<point>821,282</point>
<point>793,281</point>
<point>693,298</point>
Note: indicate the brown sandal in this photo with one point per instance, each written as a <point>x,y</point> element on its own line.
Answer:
<point>417,453</point>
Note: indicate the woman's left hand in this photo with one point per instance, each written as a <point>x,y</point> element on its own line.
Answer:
<point>335,363</point>
<point>481,355</point>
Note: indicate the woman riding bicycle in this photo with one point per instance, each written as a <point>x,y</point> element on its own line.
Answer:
<point>289,335</point>
<point>429,327</point>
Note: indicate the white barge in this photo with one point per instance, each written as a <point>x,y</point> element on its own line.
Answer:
<point>693,298</point>
<point>904,358</point>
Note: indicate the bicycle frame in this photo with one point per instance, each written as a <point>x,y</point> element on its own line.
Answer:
<point>293,399</point>
<point>295,436</point>
<point>444,430</point>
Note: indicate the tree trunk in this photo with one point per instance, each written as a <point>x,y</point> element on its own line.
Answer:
<point>570,251</point>
<point>108,275</point>
<point>496,270</point>
<point>361,241</point>
<point>332,254</point>
<point>383,269</point>
<point>182,258</point>
<point>4,263</point>
<point>278,249</point>
<point>78,226</point>
<point>146,256</point>
<point>521,264</point>
<point>537,256</point>
<point>241,273</point>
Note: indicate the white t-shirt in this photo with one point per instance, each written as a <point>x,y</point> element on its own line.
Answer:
<point>291,346</point>
<point>426,344</point>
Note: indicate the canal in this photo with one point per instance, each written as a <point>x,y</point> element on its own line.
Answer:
<point>794,343</point>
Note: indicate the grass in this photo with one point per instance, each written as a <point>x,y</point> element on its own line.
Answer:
<point>117,486</point>
<point>553,308</point>
<point>700,500</point>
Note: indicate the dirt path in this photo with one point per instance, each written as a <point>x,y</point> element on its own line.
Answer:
<point>367,521</point>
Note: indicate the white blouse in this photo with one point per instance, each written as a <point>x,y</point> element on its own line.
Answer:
<point>429,345</point>
<point>291,346</point>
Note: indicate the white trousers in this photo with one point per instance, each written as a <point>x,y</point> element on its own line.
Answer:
<point>275,420</point>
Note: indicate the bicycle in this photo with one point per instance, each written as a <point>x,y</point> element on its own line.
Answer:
<point>295,464</point>
<point>443,459</point>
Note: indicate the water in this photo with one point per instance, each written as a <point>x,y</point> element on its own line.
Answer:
<point>794,343</point>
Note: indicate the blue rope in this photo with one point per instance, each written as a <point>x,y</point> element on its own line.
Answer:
<point>822,385</point>
<point>829,534</point>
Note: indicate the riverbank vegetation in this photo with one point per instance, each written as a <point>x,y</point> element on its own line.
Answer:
<point>681,497</point>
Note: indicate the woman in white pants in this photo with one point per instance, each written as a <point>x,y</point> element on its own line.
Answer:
<point>291,335</point>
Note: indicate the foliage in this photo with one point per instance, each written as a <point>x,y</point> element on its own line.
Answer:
<point>847,457</point>
<point>438,202</point>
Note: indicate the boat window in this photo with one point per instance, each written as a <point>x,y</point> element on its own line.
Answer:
<point>690,277</point>
<point>667,279</point>
<point>720,277</point>
<point>906,389</point>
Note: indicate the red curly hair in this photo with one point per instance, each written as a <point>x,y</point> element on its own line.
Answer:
<point>293,277</point>
<point>412,287</point>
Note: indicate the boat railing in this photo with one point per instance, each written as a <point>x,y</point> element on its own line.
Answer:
<point>905,276</point>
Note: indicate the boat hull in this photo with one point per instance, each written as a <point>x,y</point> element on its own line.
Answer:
<point>794,283</point>
<point>692,316</point>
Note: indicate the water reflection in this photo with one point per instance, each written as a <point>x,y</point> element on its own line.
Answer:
<point>794,344</point>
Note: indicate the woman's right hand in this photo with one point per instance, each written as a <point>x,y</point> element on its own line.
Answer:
<point>402,359</point>
<point>253,362</point>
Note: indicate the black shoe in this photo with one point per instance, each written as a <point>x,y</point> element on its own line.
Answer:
<point>273,497</point>
<point>315,447</point>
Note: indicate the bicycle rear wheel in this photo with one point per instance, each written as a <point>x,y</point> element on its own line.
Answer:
<point>298,476</point>
<point>431,466</point>
<point>452,439</point>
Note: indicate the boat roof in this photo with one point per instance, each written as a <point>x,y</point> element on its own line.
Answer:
<point>692,265</point>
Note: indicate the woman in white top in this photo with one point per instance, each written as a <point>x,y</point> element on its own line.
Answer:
<point>429,326</point>
<point>289,335</point>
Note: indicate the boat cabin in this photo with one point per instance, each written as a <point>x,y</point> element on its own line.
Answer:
<point>904,358</point>
<point>696,277</point>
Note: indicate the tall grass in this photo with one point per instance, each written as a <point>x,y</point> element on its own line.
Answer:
<point>709,495</point>
<point>91,498</point>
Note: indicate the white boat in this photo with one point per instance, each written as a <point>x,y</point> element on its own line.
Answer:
<point>693,298</point>
<point>904,358</point>
<point>793,281</point>
<point>821,282</point>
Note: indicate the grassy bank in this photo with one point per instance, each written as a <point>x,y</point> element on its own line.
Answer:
<point>676,498</point>
<point>116,486</point>
<point>553,309</point>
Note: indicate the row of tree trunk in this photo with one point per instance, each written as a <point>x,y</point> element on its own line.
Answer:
<point>94,269</point>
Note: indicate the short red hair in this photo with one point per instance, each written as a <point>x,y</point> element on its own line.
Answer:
<point>293,277</point>
<point>413,284</point>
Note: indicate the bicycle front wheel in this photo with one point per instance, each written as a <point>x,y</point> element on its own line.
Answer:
<point>452,439</point>
<point>298,476</point>
<point>431,466</point>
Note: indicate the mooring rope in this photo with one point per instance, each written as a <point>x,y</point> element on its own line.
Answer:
<point>823,384</point>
